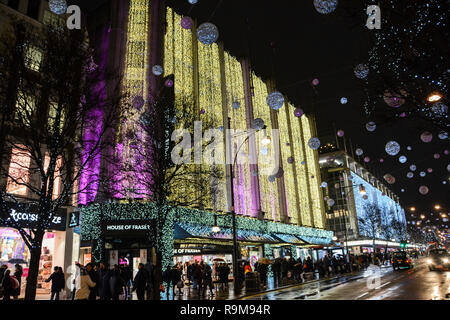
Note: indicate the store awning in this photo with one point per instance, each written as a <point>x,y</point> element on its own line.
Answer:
<point>289,238</point>
<point>187,230</point>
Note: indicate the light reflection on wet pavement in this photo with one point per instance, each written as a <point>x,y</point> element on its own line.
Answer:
<point>407,284</point>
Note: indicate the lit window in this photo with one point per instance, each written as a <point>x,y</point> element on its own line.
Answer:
<point>52,112</point>
<point>33,58</point>
<point>18,173</point>
<point>57,175</point>
<point>25,107</point>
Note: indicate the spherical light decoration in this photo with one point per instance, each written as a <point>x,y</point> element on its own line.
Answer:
<point>187,23</point>
<point>389,178</point>
<point>444,182</point>
<point>448,167</point>
<point>192,1</point>
<point>303,162</point>
<point>344,100</point>
<point>290,160</point>
<point>402,159</point>
<point>446,152</point>
<point>430,170</point>
<point>298,112</point>
<point>236,105</point>
<point>325,198</point>
<point>409,148</point>
<point>330,202</point>
<point>426,136</point>
<point>315,82</point>
<point>423,190</point>
<point>336,185</point>
<point>443,135</point>
<point>169,83</point>
<point>361,71</point>
<point>314,143</point>
<point>280,173</point>
<point>324,185</point>
<point>412,167</point>
<point>325,6</point>
<point>403,190</point>
<point>439,109</point>
<point>221,128</point>
<point>207,33</point>
<point>340,133</point>
<point>381,160</point>
<point>410,175</point>
<point>371,126</point>
<point>58,6</point>
<point>365,197</point>
<point>394,100</point>
<point>157,70</point>
<point>359,152</point>
<point>258,124</point>
<point>392,148</point>
<point>436,155</point>
<point>366,159</point>
<point>275,100</point>
<point>422,174</point>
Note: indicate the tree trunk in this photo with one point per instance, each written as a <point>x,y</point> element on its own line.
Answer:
<point>157,277</point>
<point>33,271</point>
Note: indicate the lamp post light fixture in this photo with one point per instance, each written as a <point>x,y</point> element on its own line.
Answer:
<point>412,209</point>
<point>434,97</point>
<point>437,207</point>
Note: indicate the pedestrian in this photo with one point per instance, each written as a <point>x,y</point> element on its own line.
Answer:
<point>140,282</point>
<point>198,277</point>
<point>56,283</point>
<point>86,285</point>
<point>94,278</point>
<point>7,285</point>
<point>262,269</point>
<point>115,283</point>
<point>175,280</point>
<point>150,273</point>
<point>276,266</point>
<point>103,282</point>
<point>207,279</point>
<point>18,275</point>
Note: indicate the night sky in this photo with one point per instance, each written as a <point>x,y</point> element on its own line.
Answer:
<point>291,42</point>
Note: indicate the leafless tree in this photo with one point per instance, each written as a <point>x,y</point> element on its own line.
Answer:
<point>370,223</point>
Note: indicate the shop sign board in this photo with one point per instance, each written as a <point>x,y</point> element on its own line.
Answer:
<point>186,251</point>
<point>74,219</point>
<point>126,227</point>
<point>25,217</point>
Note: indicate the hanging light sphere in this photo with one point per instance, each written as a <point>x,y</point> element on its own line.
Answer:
<point>290,160</point>
<point>422,174</point>
<point>403,190</point>
<point>443,135</point>
<point>207,33</point>
<point>221,128</point>
<point>423,190</point>
<point>365,197</point>
<point>446,152</point>
<point>359,152</point>
<point>389,178</point>
<point>436,155</point>
<point>412,167</point>
<point>315,82</point>
<point>403,114</point>
<point>410,175</point>
<point>280,173</point>
<point>325,6</point>
<point>430,170</point>
<point>157,70</point>
<point>448,167</point>
<point>439,109</point>
<point>426,136</point>
<point>394,100</point>
<point>187,23</point>
<point>336,185</point>
<point>324,185</point>
<point>298,112</point>
<point>169,83</point>
<point>303,162</point>
<point>361,71</point>
<point>258,124</point>
<point>366,159</point>
<point>236,105</point>
<point>371,126</point>
<point>409,148</point>
<point>314,143</point>
<point>392,148</point>
<point>58,6</point>
<point>402,159</point>
<point>192,1</point>
<point>275,100</point>
<point>340,133</point>
<point>344,100</point>
<point>330,202</point>
<point>381,160</point>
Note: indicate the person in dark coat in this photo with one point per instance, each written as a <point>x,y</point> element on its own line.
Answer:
<point>140,282</point>
<point>198,275</point>
<point>94,278</point>
<point>175,277</point>
<point>6,284</point>
<point>115,283</point>
<point>103,283</point>
<point>3,268</point>
<point>55,278</point>
<point>207,279</point>
<point>276,267</point>
<point>18,274</point>
<point>262,269</point>
<point>150,269</point>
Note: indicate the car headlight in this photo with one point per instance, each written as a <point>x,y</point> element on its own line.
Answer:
<point>429,261</point>
<point>445,260</point>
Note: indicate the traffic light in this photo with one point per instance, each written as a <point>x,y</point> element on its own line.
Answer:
<point>403,244</point>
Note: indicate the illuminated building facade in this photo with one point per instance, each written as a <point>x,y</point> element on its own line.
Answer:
<point>351,186</point>
<point>210,80</point>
